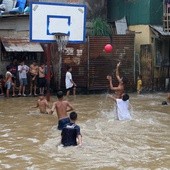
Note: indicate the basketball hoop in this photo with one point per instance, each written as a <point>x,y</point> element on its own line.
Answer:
<point>62,40</point>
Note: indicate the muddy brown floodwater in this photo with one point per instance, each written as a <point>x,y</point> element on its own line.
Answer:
<point>29,140</point>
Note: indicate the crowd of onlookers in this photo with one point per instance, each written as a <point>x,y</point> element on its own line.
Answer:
<point>18,76</point>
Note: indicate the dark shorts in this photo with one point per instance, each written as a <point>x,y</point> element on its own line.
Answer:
<point>14,78</point>
<point>62,123</point>
<point>31,79</point>
<point>42,82</point>
<point>71,88</point>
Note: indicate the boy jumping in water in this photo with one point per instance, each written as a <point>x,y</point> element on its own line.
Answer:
<point>62,107</point>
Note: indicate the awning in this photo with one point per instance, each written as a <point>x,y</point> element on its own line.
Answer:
<point>158,30</point>
<point>20,45</point>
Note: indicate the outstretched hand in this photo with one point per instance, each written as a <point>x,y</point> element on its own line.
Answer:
<point>118,64</point>
<point>109,78</point>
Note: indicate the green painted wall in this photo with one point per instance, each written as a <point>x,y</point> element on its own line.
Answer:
<point>137,12</point>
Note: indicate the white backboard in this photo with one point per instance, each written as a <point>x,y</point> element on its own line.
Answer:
<point>46,19</point>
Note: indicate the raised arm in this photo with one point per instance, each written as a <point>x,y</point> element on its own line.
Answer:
<point>52,109</point>
<point>111,85</point>
<point>117,72</point>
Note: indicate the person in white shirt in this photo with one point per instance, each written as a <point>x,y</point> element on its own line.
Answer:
<point>69,83</point>
<point>122,107</point>
<point>23,70</point>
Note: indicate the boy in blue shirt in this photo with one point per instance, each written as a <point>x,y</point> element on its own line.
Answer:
<point>70,135</point>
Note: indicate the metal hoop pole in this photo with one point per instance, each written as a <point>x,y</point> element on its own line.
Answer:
<point>48,72</point>
<point>62,40</point>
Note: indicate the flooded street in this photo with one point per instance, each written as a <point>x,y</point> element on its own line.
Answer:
<point>30,141</point>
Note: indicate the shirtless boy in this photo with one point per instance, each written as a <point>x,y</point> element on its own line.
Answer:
<point>9,83</point>
<point>33,77</point>
<point>119,90</point>
<point>62,107</point>
<point>41,78</point>
<point>42,104</point>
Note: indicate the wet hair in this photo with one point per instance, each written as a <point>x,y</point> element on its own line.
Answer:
<point>60,94</point>
<point>124,80</point>
<point>164,103</point>
<point>8,68</point>
<point>68,67</point>
<point>21,61</point>
<point>125,97</point>
<point>14,59</point>
<point>73,116</point>
<point>41,97</point>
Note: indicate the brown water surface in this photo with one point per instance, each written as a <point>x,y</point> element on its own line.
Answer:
<point>30,141</point>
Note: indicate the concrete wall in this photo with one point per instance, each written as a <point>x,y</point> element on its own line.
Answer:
<point>142,36</point>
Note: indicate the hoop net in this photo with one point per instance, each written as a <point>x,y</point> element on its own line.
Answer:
<point>62,40</point>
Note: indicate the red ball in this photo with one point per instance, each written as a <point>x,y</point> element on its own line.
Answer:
<point>108,48</point>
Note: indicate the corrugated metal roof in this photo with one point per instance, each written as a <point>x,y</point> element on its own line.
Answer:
<point>160,30</point>
<point>20,45</point>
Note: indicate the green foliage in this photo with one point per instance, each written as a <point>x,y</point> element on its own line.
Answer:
<point>100,27</point>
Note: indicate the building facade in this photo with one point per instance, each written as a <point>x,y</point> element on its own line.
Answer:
<point>149,20</point>
<point>90,64</point>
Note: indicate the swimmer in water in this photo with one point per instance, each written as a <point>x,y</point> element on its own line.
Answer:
<point>119,90</point>
<point>42,104</point>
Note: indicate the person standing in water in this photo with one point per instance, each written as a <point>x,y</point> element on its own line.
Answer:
<point>70,135</point>
<point>42,104</point>
<point>122,107</point>
<point>62,107</point>
<point>69,83</point>
<point>119,90</point>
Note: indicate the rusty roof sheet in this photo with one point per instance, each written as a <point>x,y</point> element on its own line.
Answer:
<point>20,45</point>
